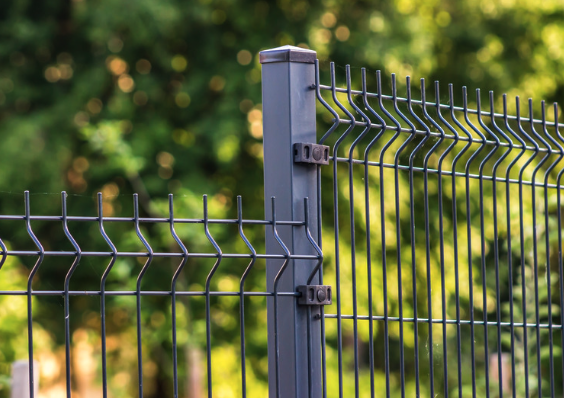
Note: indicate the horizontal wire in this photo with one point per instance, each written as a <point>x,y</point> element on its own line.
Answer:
<point>419,102</point>
<point>150,220</point>
<point>447,173</point>
<point>134,293</point>
<point>447,321</point>
<point>146,254</point>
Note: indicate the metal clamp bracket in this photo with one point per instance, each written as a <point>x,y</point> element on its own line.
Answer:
<point>311,153</point>
<point>314,295</point>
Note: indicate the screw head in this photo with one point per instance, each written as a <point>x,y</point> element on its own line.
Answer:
<point>317,153</point>
<point>321,295</point>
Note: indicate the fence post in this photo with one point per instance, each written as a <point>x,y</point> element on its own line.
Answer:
<point>288,106</point>
<point>20,379</point>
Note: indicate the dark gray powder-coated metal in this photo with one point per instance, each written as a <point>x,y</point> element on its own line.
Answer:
<point>288,54</point>
<point>289,117</point>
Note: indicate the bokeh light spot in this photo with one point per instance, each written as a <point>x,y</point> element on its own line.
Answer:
<point>244,57</point>
<point>179,63</point>
<point>143,66</point>
<point>328,20</point>
<point>126,83</point>
<point>342,33</point>
<point>182,100</point>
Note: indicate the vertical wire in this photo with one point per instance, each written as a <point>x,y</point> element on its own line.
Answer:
<point>308,323</point>
<point>428,235</point>
<point>560,152</point>
<point>427,241</point>
<point>103,293</point>
<point>455,227</point>
<point>522,237</point>
<point>309,353</point>
<point>428,258</point>
<point>29,292</point>
<point>66,292</point>
<point>482,234</point>
<point>560,259</point>
<point>496,243</point>
<point>352,228</point>
<point>535,244</point>
<point>398,234</point>
<point>382,216</point>
<point>469,239</point>
<point>412,225</point>
<point>276,282</point>
<point>336,225</point>
<point>242,294</point>
<point>319,231</point>
<point>207,293</point>
<point>561,155</point>
<point>321,309</point>
<point>368,229</point>
<point>509,245</point>
<point>173,292</point>
<point>384,256</point>
<point>138,291</point>
<point>315,270</point>
<point>441,225</point>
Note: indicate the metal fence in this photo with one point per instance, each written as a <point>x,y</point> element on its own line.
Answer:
<point>148,255</point>
<point>455,214</point>
<point>442,244</point>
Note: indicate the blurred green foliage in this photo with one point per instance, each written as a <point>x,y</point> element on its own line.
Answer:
<point>119,96</point>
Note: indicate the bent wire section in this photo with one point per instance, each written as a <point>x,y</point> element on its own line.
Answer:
<point>428,145</point>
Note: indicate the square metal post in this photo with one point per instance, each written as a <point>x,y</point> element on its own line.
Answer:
<point>288,105</point>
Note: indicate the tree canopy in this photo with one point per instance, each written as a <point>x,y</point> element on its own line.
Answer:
<point>121,96</point>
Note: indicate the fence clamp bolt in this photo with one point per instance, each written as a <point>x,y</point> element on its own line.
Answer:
<point>311,153</point>
<point>314,295</point>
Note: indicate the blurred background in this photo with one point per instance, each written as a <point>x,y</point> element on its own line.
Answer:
<point>159,97</point>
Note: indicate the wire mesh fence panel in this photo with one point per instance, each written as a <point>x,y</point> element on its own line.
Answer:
<point>212,294</point>
<point>443,242</point>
